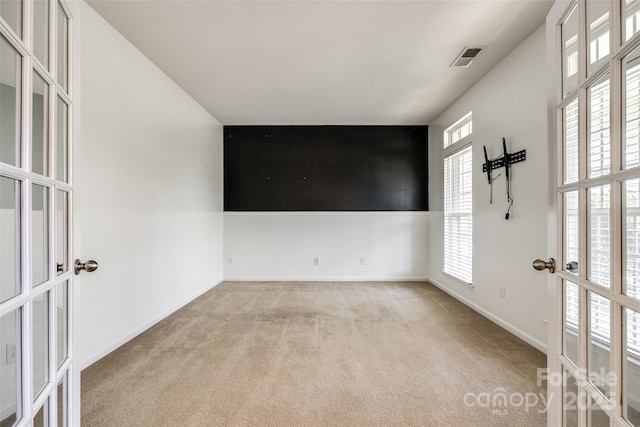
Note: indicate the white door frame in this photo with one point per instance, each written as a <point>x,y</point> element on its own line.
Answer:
<point>554,315</point>
<point>75,150</point>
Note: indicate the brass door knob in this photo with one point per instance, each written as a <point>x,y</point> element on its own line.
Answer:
<point>88,266</point>
<point>541,265</point>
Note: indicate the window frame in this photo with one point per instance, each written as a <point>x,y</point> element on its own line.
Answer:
<point>458,126</point>
<point>450,150</point>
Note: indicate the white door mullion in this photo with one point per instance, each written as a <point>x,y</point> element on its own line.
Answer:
<point>617,203</point>
<point>616,357</point>
<point>70,56</point>
<point>583,127</point>
<point>554,391</point>
<point>628,302</point>
<point>53,9</point>
<point>616,289</point>
<point>27,317</point>
<point>616,25</point>
<point>27,36</point>
<point>53,256</point>
<point>582,45</point>
<point>52,324</point>
<point>27,360</point>
<point>26,334</point>
<point>25,155</point>
<point>51,228</point>
<point>50,140</point>
<point>583,114</point>
<point>583,339</point>
<point>70,154</point>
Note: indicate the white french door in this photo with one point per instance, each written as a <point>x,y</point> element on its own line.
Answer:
<point>595,339</point>
<point>36,196</point>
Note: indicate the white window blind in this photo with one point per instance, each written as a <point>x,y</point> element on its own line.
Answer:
<point>599,129</point>
<point>599,218</point>
<point>458,219</point>
<point>572,306</point>
<point>571,142</point>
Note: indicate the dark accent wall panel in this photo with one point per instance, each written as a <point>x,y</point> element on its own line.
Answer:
<point>325,168</point>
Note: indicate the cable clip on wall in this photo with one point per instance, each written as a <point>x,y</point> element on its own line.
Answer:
<point>505,160</point>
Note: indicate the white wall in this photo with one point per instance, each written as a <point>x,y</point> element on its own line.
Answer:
<point>282,246</point>
<point>507,102</point>
<point>149,191</point>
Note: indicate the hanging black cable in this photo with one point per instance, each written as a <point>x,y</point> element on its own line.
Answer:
<point>509,198</point>
<point>507,165</point>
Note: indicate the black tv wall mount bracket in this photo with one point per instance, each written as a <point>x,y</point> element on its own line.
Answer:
<point>505,160</point>
<point>518,156</point>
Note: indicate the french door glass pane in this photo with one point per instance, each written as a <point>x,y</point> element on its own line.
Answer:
<point>631,238</point>
<point>599,235</point>
<point>9,238</point>
<point>62,221</point>
<point>63,402</point>
<point>571,322</point>
<point>39,234</point>
<point>596,417</point>
<point>62,316</point>
<point>11,12</point>
<point>61,49</point>
<point>598,12</point>
<point>570,52</point>
<point>599,128</point>
<point>631,18</point>
<point>599,354</point>
<point>40,420</point>
<point>61,140</point>
<point>40,321</point>
<point>570,400</point>
<point>10,388</point>
<point>631,368</point>
<point>631,87</point>
<point>571,231</point>
<point>41,31</point>
<point>570,143</point>
<point>39,126</point>
<point>10,74</point>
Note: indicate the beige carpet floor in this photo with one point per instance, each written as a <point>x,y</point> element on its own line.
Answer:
<point>317,354</point>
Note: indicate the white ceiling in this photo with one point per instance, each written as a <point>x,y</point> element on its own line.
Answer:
<point>323,62</point>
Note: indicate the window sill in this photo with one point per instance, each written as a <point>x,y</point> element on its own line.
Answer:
<point>458,280</point>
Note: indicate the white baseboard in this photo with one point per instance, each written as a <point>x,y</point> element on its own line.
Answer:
<point>324,279</point>
<point>100,354</point>
<point>495,319</point>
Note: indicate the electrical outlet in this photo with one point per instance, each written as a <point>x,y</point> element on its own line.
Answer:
<point>11,353</point>
<point>501,292</point>
<point>316,261</point>
<point>230,261</point>
<point>361,261</point>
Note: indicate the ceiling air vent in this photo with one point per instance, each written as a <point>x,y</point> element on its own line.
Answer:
<point>467,56</point>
